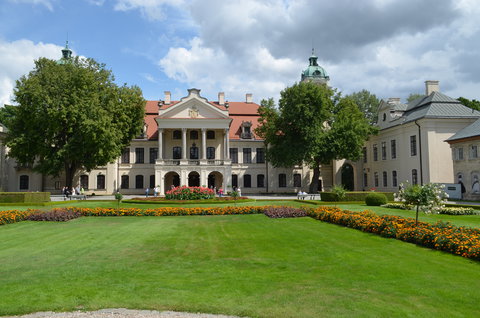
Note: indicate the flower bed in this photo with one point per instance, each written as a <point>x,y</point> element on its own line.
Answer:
<point>189,193</point>
<point>13,216</point>
<point>458,211</point>
<point>277,212</point>
<point>400,206</point>
<point>441,236</point>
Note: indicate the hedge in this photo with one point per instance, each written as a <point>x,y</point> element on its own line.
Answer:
<point>353,196</point>
<point>14,197</point>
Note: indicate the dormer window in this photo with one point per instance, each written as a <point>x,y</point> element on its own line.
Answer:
<point>384,116</point>
<point>246,130</point>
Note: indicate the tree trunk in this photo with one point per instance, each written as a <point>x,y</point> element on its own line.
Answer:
<point>314,184</point>
<point>416,217</point>
<point>70,170</point>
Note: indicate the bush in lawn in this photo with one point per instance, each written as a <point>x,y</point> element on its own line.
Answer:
<point>56,215</point>
<point>429,198</point>
<point>458,211</point>
<point>375,199</point>
<point>284,212</point>
<point>400,206</point>
<point>190,193</point>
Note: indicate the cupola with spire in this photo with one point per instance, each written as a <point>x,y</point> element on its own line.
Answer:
<point>66,55</point>
<point>314,72</point>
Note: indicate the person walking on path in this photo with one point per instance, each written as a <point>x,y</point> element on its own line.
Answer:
<point>147,191</point>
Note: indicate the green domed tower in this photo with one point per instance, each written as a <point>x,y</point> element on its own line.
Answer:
<point>314,72</point>
<point>66,55</point>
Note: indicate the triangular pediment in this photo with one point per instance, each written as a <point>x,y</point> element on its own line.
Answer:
<point>194,106</point>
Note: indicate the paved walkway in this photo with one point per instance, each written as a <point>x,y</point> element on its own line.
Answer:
<point>129,196</point>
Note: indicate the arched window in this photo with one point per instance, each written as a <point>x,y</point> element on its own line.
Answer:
<point>194,134</point>
<point>177,152</point>
<point>384,177</point>
<point>282,180</point>
<point>210,152</point>
<point>101,182</point>
<point>414,176</point>
<point>125,182</point>
<point>177,134</point>
<point>84,181</point>
<point>210,134</point>
<point>375,178</point>
<point>194,152</point>
<point>260,180</point>
<point>247,181</point>
<point>139,181</point>
<point>394,178</point>
<point>24,182</point>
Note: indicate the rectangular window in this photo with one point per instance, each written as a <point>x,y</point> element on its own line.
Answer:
<point>234,155</point>
<point>234,180</point>
<point>375,152</point>
<point>101,182</point>
<point>260,180</point>
<point>139,155</point>
<point>125,182</point>
<point>152,181</point>
<point>247,181</point>
<point>282,180</point>
<point>413,145</point>
<point>297,180</point>
<point>460,153</point>
<point>247,155</point>
<point>393,148</point>
<point>210,153</point>
<point>24,180</point>
<point>126,155</point>
<point>375,176</point>
<point>473,152</point>
<point>394,178</point>
<point>384,177</point>
<point>177,152</point>
<point>260,155</point>
<point>153,155</point>
<point>364,151</point>
<point>384,150</point>
<point>365,179</point>
<point>139,182</point>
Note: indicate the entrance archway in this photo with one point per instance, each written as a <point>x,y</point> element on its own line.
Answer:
<point>347,177</point>
<point>193,179</point>
<point>171,179</point>
<point>215,179</point>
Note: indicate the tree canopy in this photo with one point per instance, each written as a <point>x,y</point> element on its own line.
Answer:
<point>312,125</point>
<point>414,96</point>
<point>72,116</point>
<point>473,103</point>
<point>368,104</point>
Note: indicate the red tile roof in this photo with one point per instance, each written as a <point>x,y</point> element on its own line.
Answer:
<point>238,111</point>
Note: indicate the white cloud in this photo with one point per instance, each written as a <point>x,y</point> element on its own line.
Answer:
<point>47,3</point>
<point>388,47</point>
<point>96,2</point>
<point>17,59</point>
<point>151,9</point>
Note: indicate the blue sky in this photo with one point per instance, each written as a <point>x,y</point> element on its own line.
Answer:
<point>389,47</point>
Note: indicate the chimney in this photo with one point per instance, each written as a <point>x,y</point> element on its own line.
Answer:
<point>431,86</point>
<point>394,100</point>
<point>248,98</point>
<point>168,98</point>
<point>221,98</point>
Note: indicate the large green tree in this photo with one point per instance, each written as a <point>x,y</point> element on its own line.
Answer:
<point>72,116</point>
<point>471,103</point>
<point>368,104</point>
<point>312,125</point>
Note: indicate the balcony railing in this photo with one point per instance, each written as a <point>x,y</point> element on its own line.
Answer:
<point>190,162</point>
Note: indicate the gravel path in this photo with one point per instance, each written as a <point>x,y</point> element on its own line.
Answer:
<point>119,313</point>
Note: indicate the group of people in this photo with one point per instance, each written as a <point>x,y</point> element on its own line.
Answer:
<point>73,191</point>
<point>156,191</point>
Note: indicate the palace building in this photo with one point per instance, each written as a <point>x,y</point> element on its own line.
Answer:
<point>196,142</point>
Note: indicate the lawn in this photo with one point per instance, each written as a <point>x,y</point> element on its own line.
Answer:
<point>243,264</point>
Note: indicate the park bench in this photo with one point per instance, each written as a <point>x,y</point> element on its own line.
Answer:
<point>310,196</point>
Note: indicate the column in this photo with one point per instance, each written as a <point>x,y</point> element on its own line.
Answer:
<point>160,144</point>
<point>227,152</point>
<point>184,143</point>
<point>204,143</point>
<point>225,144</point>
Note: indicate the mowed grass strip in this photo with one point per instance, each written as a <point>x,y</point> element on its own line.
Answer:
<point>242,265</point>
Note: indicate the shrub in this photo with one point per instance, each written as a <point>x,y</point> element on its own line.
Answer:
<point>12,197</point>
<point>353,196</point>
<point>339,192</point>
<point>56,215</point>
<point>397,206</point>
<point>277,212</point>
<point>190,193</point>
<point>458,211</point>
<point>375,199</point>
